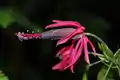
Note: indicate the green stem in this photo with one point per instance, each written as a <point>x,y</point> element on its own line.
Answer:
<point>85,73</point>
<point>98,54</point>
<point>92,64</point>
<point>107,71</point>
<point>93,35</point>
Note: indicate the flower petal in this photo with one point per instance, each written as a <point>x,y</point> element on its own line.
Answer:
<point>65,39</point>
<point>76,57</point>
<point>63,23</point>
<point>93,48</point>
<point>86,50</point>
<point>61,51</point>
<point>79,52</point>
<point>60,66</point>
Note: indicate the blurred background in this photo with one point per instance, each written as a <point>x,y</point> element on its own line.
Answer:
<point>33,59</point>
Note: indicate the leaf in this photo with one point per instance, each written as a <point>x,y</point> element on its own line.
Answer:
<point>117,54</point>
<point>2,76</point>
<point>107,52</point>
<point>102,73</point>
<point>117,59</point>
<point>5,17</point>
<point>99,45</point>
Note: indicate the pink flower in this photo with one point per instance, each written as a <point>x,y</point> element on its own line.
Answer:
<point>69,54</point>
<point>64,23</point>
<point>72,53</point>
<point>66,54</point>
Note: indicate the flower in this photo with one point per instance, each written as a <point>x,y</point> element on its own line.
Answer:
<point>72,53</point>
<point>66,54</point>
<point>59,23</point>
<point>26,36</point>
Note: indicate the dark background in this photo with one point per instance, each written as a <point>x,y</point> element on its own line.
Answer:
<point>33,59</point>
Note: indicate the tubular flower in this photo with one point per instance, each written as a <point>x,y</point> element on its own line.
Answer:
<point>72,53</point>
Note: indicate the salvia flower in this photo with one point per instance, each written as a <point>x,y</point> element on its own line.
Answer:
<point>68,30</point>
<point>74,55</point>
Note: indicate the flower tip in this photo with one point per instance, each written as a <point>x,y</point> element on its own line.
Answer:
<point>88,62</point>
<point>58,43</point>
<point>72,70</point>
<point>56,20</point>
<point>54,67</point>
<point>46,27</point>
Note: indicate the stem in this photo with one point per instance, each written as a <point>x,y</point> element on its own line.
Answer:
<point>108,71</point>
<point>118,70</point>
<point>93,35</point>
<point>98,54</point>
<point>85,76</point>
<point>92,64</point>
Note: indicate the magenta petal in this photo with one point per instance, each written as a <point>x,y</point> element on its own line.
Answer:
<point>77,46</point>
<point>60,66</point>
<point>76,57</point>
<point>75,51</point>
<point>86,50</point>
<point>93,48</point>
<point>79,52</point>
<point>64,23</point>
<point>62,51</point>
<point>71,68</point>
<point>68,52</point>
<point>65,39</point>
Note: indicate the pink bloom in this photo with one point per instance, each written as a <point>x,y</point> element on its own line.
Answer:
<point>70,54</point>
<point>66,53</point>
<point>74,55</point>
<point>64,23</point>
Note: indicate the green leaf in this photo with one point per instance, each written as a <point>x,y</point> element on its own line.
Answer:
<point>99,45</point>
<point>5,17</point>
<point>117,59</point>
<point>117,54</point>
<point>2,76</point>
<point>107,52</point>
<point>102,74</point>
